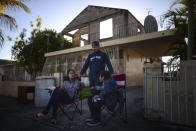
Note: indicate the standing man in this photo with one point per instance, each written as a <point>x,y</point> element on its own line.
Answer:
<point>96,61</point>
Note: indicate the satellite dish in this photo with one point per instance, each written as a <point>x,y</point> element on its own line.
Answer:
<point>150,24</point>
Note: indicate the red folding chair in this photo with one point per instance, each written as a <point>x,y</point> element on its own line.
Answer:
<point>121,107</point>
<point>70,107</point>
<point>121,84</point>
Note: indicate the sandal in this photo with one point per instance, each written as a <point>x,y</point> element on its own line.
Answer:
<point>40,114</point>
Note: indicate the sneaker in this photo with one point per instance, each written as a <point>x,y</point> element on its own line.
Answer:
<point>89,119</point>
<point>93,123</point>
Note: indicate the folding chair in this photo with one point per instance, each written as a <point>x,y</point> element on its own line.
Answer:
<point>121,107</point>
<point>75,104</point>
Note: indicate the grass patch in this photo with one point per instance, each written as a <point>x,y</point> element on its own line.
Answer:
<point>85,92</point>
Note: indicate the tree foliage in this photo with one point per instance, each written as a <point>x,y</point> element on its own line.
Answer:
<point>178,17</point>
<point>29,52</point>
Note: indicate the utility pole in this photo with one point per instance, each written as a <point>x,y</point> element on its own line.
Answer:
<point>60,60</point>
<point>190,28</point>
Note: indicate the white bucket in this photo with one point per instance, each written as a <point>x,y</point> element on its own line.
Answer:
<point>41,94</point>
<point>85,80</point>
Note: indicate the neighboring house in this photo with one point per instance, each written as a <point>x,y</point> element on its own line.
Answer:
<point>121,36</point>
<point>13,72</point>
<point>4,62</point>
<point>11,77</point>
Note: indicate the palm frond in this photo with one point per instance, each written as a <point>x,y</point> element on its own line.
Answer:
<point>181,2</point>
<point>1,38</point>
<point>7,21</point>
<point>15,5</point>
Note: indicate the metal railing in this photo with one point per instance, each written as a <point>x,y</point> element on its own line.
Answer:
<point>171,97</point>
<point>14,73</point>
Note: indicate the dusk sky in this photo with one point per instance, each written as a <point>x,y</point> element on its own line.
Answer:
<point>56,14</point>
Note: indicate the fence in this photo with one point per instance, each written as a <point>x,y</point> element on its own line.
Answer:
<point>170,92</point>
<point>13,72</point>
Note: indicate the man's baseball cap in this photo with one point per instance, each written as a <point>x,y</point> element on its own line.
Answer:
<point>95,43</point>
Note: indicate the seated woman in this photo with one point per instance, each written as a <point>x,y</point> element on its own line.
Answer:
<point>65,93</point>
<point>106,98</point>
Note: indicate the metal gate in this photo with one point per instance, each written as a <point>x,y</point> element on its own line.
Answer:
<point>170,92</point>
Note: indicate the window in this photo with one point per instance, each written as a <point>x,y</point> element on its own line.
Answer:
<point>106,29</point>
<point>138,30</point>
<point>85,36</point>
<point>73,31</point>
<point>81,43</point>
<point>68,38</point>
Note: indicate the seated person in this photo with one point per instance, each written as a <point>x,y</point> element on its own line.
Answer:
<point>106,98</point>
<point>65,93</point>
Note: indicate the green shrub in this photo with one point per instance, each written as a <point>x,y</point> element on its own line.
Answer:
<point>85,92</point>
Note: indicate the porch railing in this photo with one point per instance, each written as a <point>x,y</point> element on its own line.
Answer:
<point>170,95</point>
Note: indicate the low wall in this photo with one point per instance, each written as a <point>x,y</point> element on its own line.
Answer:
<point>10,88</point>
<point>133,68</point>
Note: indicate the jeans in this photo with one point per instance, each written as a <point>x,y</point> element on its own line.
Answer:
<point>93,83</point>
<point>58,96</point>
<point>95,108</point>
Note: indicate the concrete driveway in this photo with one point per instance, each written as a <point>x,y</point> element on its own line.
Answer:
<point>15,117</point>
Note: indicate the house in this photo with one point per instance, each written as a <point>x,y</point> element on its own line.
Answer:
<point>121,36</point>
<point>11,77</point>
<point>90,21</point>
